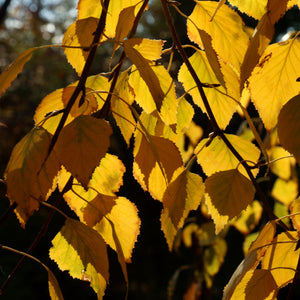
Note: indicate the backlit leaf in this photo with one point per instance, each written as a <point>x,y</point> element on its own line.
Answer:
<point>249,218</point>
<point>222,158</point>
<point>125,23</point>
<point>253,8</point>
<point>81,145</point>
<point>149,157</point>
<point>256,284</point>
<point>230,193</point>
<point>222,106</point>
<point>147,73</point>
<point>285,191</point>
<point>281,258</point>
<point>11,73</point>
<point>183,194</point>
<point>273,81</point>
<point>80,35</point>
<point>29,176</point>
<point>295,209</point>
<point>124,217</point>
<point>289,126</point>
<point>146,99</point>
<point>227,26</point>
<point>81,251</point>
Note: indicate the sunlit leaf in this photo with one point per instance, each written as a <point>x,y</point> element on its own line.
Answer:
<point>282,211</point>
<point>230,193</point>
<point>256,284</point>
<point>282,165</point>
<point>121,111</point>
<point>273,81</point>
<point>222,106</point>
<point>281,258</point>
<point>81,145</point>
<point>222,158</point>
<point>11,73</point>
<point>54,289</point>
<point>79,36</point>
<point>29,176</point>
<point>126,223</point>
<point>289,126</point>
<point>152,155</point>
<point>183,194</point>
<point>227,26</point>
<point>295,209</point>
<point>249,218</point>
<point>81,251</point>
<point>253,8</point>
<point>125,23</point>
<point>285,191</point>
<point>185,114</point>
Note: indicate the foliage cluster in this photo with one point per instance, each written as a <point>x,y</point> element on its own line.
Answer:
<point>232,67</point>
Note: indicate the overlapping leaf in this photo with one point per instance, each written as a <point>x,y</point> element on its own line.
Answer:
<point>81,145</point>
<point>254,8</point>
<point>183,194</point>
<point>281,258</point>
<point>227,26</point>
<point>289,126</point>
<point>30,172</point>
<point>230,193</point>
<point>81,251</point>
<point>222,106</point>
<point>222,158</point>
<point>273,81</point>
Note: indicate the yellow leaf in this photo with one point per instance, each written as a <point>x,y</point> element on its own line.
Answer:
<point>281,258</point>
<point>249,218</point>
<point>92,204</point>
<point>282,165</point>
<point>29,176</point>
<point>81,145</point>
<point>222,106</point>
<point>147,73</point>
<point>281,210</point>
<point>285,191</point>
<point>167,105</point>
<point>125,23</point>
<point>126,223</point>
<point>80,250</point>
<point>149,157</point>
<point>289,126</point>
<point>91,8</point>
<point>54,289</point>
<point>80,35</point>
<point>222,158</point>
<point>185,114</point>
<point>230,193</point>
<point>277,70</point>
<point>121,111</point>
<point>227,26</point>
<point>183,194</point>
<point>253,8</point>
<point>10,74</point>
<point>256,284</point>
<point>295,209</point>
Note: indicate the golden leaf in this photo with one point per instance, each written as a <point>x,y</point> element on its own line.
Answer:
<point>222,158</point>
<point>81,251</point>
<point>273,81</point>
<point>295,209</point>
<point>230,193</point>
<point>281,258</point>
<point>256,284</point>
<point>80,35</point>
<point>183,194</point>
<point>285,191</point>
<point>81,145</point>
<point>253,8</point>
<point>222,106</point>
<point>54,289</point>
<point>231,42</point>
<point>122,222</point>
<point>289,126</point>
<point>29,176</point>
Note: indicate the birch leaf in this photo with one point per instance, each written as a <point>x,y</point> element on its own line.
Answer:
<point>81,145</point>
<point>81,251</point>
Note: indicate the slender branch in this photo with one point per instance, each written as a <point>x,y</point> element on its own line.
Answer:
<point>81,84</point>
<point>215,126</point>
